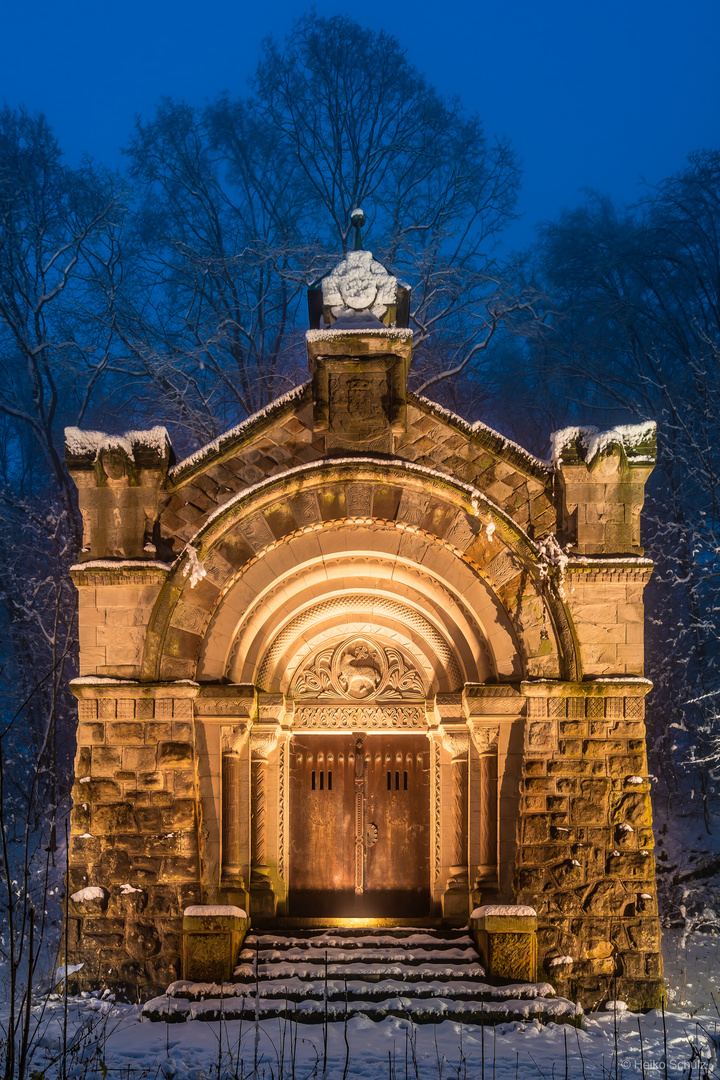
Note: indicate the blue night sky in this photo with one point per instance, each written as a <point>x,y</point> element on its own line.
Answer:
<point>591,94</point>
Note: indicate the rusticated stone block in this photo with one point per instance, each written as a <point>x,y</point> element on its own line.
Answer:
<point>112,817</point>
<point>596,748</point>
<point>178,867</point>
<point>90,734</point>
<point>531,880</point>
<point>158,732</point>
<point>115,866</point>
<point>139,759</point>
<point>557,804</point>
<point>572,729</point>
<point>106,760</point>
<point>606,898</point>
<point>538,784</point>
<point>539,736</point>
<point>142,940</point>
<point>163,900</point>
<point>181,815</point>
<point>565,902</point>
<point>183,783</point>
<point>634,864</point>
<point>149,818</point>
<point>644,934</point>
<point>80,818</point>
<point>175,755</point>
<point>633,809</point>
<point>125,731</point>
<point>627,764</point>
<point>536,829</point>
<point>569,768</point>
<point>133,843</point>
<point>151,780</point>
<point>85,849</point>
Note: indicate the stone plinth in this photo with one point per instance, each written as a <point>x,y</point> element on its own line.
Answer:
<point>212,937</point>
<point>506,938</point>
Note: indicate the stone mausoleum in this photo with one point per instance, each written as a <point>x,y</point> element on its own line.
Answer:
<point>360,659</point>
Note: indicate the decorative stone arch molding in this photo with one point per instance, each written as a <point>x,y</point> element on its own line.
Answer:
<point>436,547</point>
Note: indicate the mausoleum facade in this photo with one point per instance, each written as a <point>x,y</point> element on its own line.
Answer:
<point>360,659</point>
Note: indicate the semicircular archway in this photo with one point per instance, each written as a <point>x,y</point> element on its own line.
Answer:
<point>284,555</point>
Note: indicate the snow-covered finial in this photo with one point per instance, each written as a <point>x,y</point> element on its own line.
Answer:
<point>357,220</point>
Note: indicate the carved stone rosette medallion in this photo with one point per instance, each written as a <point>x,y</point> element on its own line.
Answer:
<point>360,669</point>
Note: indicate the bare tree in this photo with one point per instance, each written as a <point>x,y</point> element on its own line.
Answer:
<point>248,201</point>
<point>636,335</point>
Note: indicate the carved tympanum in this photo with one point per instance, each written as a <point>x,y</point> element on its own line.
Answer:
<point>360,669</point>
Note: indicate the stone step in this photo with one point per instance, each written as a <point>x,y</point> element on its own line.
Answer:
<point>427,1010</point>
<point>333,974</point>
<point>366,955</point>
<point>299,990</point>
<point>372,972</point>
<point>349,941</point>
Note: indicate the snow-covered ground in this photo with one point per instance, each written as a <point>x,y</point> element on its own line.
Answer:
<point>107,1039</point>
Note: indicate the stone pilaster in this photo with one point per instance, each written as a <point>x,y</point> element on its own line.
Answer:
<point>456,741</point>
<point>263,898</point>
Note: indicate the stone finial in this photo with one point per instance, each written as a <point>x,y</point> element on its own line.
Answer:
<point>118,478</point>
<point>602,478</point>
<point>359,293</point>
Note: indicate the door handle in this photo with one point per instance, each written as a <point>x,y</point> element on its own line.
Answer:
<point>371,835</point>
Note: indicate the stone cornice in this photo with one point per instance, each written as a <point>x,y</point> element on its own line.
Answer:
<point>608,687</point>
<point>609,570</point>
<point>124,572</point>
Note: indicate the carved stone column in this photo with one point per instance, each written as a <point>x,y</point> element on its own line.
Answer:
<point>455,899</point>
<point>233,741</point>
<point>485,738</point>
<point>262,896</point>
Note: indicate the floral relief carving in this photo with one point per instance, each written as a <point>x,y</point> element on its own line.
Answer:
<point>485,736</point>
<point>354,718</point>
<point>360,669</point>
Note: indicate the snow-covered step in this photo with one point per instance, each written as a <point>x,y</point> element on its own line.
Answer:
<point>334,974</point>
<point>371,972</point>
<point>298,989</point>
<point>413,941</point>
<point>347,956</point>
<point>426,1010</point>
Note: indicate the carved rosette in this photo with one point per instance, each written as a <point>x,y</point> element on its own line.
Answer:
<point>359,669</point>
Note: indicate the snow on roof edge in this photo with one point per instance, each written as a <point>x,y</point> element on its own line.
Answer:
<point>593,441</point>
<point>329,334</point>
<point>80,442</point>
<point>233,432</point>
<point>478,425</point>
<point>121,564</point>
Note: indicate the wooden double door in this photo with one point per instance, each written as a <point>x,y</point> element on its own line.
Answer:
<point>359,826</point>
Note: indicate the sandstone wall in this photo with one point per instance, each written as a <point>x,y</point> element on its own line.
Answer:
<point>134,834</point>
<point>586,851</point>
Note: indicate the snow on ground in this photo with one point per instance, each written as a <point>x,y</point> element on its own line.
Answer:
<point>107,1039</point>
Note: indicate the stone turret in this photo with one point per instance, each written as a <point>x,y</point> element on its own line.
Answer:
<point>359,353</point>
